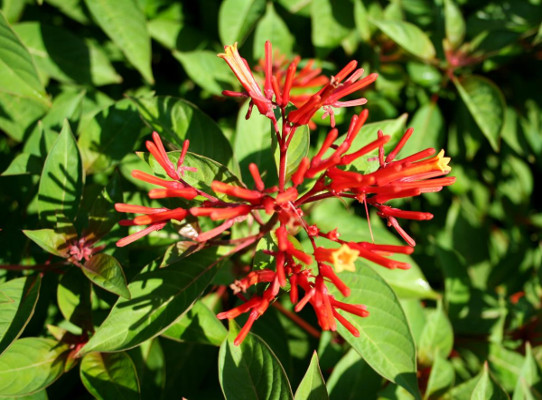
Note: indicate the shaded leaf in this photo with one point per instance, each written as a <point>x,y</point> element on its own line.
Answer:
<point>62,178</point>
<point>23,164</point>
<point>250,370</point>
<point>66,57</point>
<point>428,124</point>
<point>124,23</point>
<point>106,272</point>
<point>178,120</point>
<point>352,376</point>
<point>312,385</point>
<point>408,36</point>
<point>18,75</point>
<point>331,22</point>
<point>109,136</point>
<point>454,23</point>
<point>73,298</point>
<point>486,104</point>
<point>529,376</point>
<point>30,365</point>
<point>236,18</point>
<point>160,295</point>
<point>441,378</point>
<point>198,325</point>
<point>108,376</point>
<point>18,114</point>
<point>18,300</point>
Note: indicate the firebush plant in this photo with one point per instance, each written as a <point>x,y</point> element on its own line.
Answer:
<point>244,199</point>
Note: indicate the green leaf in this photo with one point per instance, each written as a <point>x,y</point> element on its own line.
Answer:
<point>106,272</point>
<point>352,376</point>
<point>486,104</point>
<point>385,341</point>
<point>487,388</point>
<point>331,22</point>
<point>428,124</point>
<point>198,325</point>
<point>236,18</point>
<point>72,8</point>
<point>160,295</point>
<point>408,36</point>
<point>207,170</point>
<point>150,363</point>
<point>406,283</point>
<point>109,136</point>
<point>441,378</point>
<point>206,69</point>
<point>250,370</point>
<point>312,386</point>
<point>18,74</point>
<point>252,144</point>
<point>454,23</point>
<point>62,178</point>
<point>66,57</point>
<point>18,115</point>
<point>528,377</point>
<point>12,9</point>
<point>124,23</point>
<point>30,365</point>
<point>369,133</point>
<point>73,298</point>
<point>18,300</point>
<point>23,164</point>
<point>52,241</point>
<point>108,376</point>
<point>437,337</point>
<point>271,27</point>
<point>298,148</point>
<point>361,18</point>
<point>178,120</point>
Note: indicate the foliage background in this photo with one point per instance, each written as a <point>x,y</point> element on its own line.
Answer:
<point>466,74</point>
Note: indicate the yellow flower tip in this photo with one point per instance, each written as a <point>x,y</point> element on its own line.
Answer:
<point>343,258</point>
<point>442,162</point>
<point>229,51</point>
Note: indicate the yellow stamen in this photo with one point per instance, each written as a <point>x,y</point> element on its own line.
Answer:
<point>442,162</point>
<point>343,259</point>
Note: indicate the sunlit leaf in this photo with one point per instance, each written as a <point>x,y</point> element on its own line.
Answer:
<point>312,386</point>
<point>408,36</point>
<point>236,18</point>
<point>105,271</point>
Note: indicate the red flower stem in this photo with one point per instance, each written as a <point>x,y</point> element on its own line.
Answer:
<point>37,267</point>
<point>298,320</point>
<point>200,192</point>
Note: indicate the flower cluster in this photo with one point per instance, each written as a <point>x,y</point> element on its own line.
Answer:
<point>279,209</point>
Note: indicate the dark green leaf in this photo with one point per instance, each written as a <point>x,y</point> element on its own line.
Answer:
<point>250,370</point>
<point>352,376</point>
<point>105,271</point>
<point>198,325</point>
<point>107,376</point>
<point>109,136</point>
<point>408,36</point>
<point>178,120</point>
<point>150,363</point>
<point>529,376</point>
<point>31,364</point>
<point>18,75</point>
<point>66,57</point>
<point>62,178</point>
<point>271,27</point>
<point>18,300</point>
<point>160,295</point>
<point>72,8</point>
<point>102,216</point>
<point>385,341</point>
<point>236,18</point>
<point>428,125</point>
<point>312,386</point>
<point>124,23</point>
<point>486,104</point>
